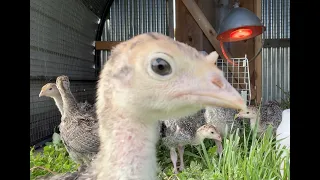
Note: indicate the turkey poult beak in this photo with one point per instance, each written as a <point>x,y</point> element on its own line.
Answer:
<point>218,138</point>
<point>219,92</point>
<point>40,94</point>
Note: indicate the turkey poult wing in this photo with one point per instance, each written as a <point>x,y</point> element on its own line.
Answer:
<point>184,129</point>
<point>82,135</point>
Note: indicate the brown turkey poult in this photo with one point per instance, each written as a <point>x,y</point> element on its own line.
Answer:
<point>270,114</point>
<point>78,127</point>
<point>147,78</point>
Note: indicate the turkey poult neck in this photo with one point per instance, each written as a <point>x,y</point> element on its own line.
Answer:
<point>128,147</point>
<point>197,139</point>
<point>59,103</point>
<point>69,102</point>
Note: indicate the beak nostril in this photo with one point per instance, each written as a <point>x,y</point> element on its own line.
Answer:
<point>218,83</point>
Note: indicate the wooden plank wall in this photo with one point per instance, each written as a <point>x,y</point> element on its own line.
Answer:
<point>187,29</point>
<point>258,60</point>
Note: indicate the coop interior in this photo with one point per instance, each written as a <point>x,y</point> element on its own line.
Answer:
<point>75,38</point>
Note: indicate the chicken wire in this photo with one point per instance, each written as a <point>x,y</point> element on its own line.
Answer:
<point>44,114</point>
<point>61,39</point>
<point>238,75</point>
<point>62,33</point>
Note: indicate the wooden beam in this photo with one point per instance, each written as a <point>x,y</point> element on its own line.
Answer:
<point>203,23</point>
<point>207,28</point>
<point>187,29</point>
<point>106,45</point>
<point>249,48</point>
<point>209,10</point>
<point>258,60</point>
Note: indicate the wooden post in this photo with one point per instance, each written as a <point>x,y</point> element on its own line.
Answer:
<point>187,29</point>
<point>204,24</point>
<point>106,45</point>
<point>258,60</point>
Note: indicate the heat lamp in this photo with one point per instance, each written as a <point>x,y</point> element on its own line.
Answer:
<point>240,24</point>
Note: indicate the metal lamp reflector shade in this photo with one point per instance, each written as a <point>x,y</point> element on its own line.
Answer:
<point>240,24</point>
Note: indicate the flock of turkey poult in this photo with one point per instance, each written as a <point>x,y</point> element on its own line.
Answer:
<point>152,88</point>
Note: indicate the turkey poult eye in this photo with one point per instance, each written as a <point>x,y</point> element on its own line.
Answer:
<point>161,67</point>
<point>50,89</point>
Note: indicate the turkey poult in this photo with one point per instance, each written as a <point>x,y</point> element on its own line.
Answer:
<point>222,118</point>
<point>187,130</point>
<point>270,114</point>
<point>78,127</point>
<point>147,78</point>
<point>51,90</point>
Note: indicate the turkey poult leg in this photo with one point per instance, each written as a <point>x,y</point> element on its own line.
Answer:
<point>174,158</point>
<point>181,151</point>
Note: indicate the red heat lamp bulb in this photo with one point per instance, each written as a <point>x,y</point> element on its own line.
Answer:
<point>240,33</point>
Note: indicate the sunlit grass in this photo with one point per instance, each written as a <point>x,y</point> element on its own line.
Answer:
<point>245,156</point>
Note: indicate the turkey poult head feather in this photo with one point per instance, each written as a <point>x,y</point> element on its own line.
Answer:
<point>51,90</point>
<point>250,113</point>
<point>147,78</point>
<point>208,131</point>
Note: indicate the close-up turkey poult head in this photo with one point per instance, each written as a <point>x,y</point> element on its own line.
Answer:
<point>209,132</point>
<point>154,73</point>
<point>251,112</point>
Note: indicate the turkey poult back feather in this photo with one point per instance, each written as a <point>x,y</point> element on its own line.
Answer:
<point>222,118</point>
<point>79,126</point>
<point>181,130</point>
<point>147,78</point>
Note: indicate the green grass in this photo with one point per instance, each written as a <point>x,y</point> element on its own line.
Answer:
<point>245,157</point>
<point>53,159</point>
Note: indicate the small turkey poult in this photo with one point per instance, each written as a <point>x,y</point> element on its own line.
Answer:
<point>146,79</point>
<point>78,127</point>
<point>270,114</point>
<point>176,133</point>
<point>82,110</point>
